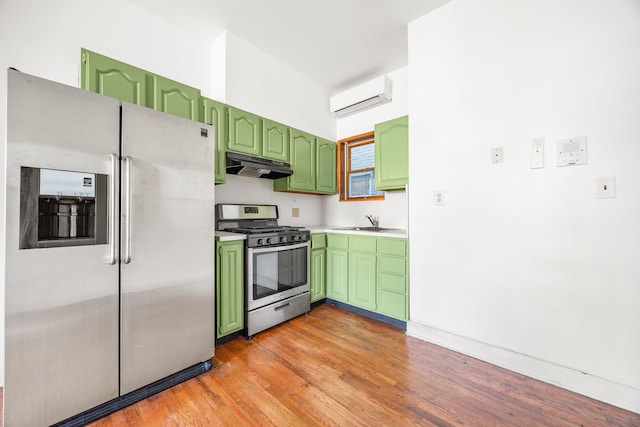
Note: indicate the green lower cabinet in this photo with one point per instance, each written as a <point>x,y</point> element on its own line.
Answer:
<point>362,280</point>
<point>214,113</point>
<point>393,278</point>
<point>229,287</point>
<point>369,272</point>
<point>318,270</point>
<point>337,267</point>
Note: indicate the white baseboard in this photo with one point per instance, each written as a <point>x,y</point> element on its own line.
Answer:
<point>602,389</point>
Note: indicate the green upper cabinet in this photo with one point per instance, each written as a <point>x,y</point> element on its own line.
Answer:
<point>392,154</point>
<point>113,78</point>
<point>275,140</point>
<point>245,132</point>
<point>303,161</point>
<point>174,98</point>
<point>313,161</point>
<point>122,81</point>
<point>215,114</point>
<point>326,166</point>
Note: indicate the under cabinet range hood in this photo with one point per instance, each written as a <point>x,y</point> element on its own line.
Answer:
<point>256,167</point>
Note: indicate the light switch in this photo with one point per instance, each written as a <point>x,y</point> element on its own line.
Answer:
<point>606,187</point>
<point>537,153</point>
<point>496,155</point>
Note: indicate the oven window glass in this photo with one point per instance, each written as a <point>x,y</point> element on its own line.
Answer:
<point>278,271</point>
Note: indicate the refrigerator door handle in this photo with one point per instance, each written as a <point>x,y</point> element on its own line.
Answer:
<point>127,209</point>
<point>113,255</point>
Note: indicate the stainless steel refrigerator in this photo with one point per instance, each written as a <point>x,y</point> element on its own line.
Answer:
<point>109,252</point>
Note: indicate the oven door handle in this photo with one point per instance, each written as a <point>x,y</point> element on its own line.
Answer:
<point>279,248</point>
<point>280,307</point>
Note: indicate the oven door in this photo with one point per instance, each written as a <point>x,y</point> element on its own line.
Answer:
<point>276,273</point>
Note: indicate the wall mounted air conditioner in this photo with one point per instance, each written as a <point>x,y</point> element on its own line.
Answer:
<point>367,95</point>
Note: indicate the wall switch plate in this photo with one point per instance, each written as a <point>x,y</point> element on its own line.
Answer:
<point>537,153</point>
<point>606,187</point>
<point>572,151</point>
<point>438,198</point>
<point>295,212</point>
<point>496,155</point>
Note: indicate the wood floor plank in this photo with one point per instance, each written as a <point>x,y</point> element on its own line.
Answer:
<point>336,368</point>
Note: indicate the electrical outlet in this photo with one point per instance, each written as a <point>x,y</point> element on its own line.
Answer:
<point>606,187</point>
<point>537,153</point>
<point>438,198</point>
<point>496,155</point>
<point>295,212</point>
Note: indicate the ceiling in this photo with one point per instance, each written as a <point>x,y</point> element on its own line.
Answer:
<point>336,43</point>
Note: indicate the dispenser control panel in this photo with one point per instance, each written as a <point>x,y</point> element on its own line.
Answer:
<point>65,183</point>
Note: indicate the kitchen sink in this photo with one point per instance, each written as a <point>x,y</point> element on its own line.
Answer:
<point>375,229</point>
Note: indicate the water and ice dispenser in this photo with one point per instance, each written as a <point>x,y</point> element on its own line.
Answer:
<point>62,208</point>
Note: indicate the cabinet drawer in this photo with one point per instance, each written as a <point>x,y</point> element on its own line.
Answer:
<point>394,265</point>
<point>392,282</point>
<point>392,246</point>
<point>362,243</point>
<point>338,241</point>
<point>392,304</point>
<point>318,241</point>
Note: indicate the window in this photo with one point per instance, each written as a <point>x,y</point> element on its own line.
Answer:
<point>357,169</point>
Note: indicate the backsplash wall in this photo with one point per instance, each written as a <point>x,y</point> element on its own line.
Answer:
<point>241,189</point>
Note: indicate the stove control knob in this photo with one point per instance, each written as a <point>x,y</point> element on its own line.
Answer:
<point>269,240</point>
<point>259,242</point>
<point>283,239</point>
<point>296,238</point>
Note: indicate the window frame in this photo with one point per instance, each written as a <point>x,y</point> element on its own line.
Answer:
<point>344,157</point>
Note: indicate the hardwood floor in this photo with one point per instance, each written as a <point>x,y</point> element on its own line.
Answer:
<point>333,367</point>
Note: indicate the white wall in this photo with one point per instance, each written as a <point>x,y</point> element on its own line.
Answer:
<point>259,83</point>
<point>392,211</point>
<point>44,39</point>
<point>522,267</point>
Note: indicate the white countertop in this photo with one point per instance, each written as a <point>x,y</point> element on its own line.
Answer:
<point>392,232</point>
<point>225,236</point>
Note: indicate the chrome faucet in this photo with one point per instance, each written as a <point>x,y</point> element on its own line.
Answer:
<point>373,220</point>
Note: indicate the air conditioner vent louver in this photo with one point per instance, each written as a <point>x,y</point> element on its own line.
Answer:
<point>362,97</point>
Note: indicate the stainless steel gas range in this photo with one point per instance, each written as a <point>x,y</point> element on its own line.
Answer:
<point>277,261</point>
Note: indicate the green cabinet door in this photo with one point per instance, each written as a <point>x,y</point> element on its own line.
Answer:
<point>392,153</point>
<point>215,114</point>
<point>174,98</point>
<point>326,166</point>
<point>303,161</point>
<point>113,78</point>
<point>337,274</point>
<point>338,266</point>
<point>318,272</point>
<point>245,132</point>
<point>362,271</point>
<point>275,140</point>
<point>229,287</point>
